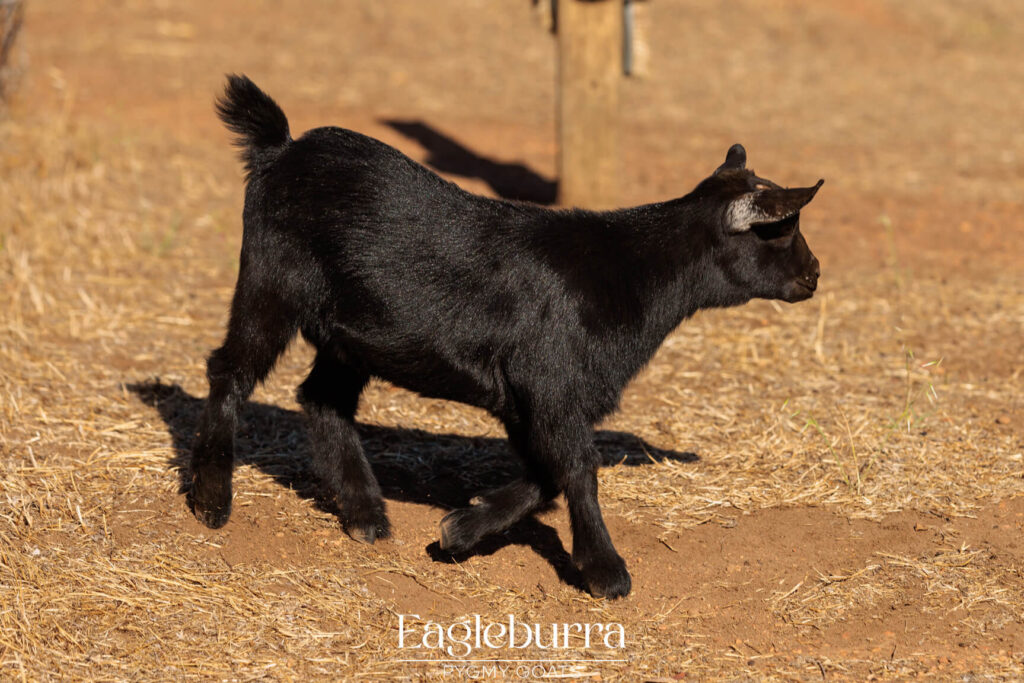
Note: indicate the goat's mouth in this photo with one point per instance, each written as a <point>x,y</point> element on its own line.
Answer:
<point>809,285</point>
<point>803,290</point>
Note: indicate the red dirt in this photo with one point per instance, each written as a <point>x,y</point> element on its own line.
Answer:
<point>711,582</point>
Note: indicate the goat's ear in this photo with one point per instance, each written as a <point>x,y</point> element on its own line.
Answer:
<point>767,206</point>
<point>735,159</point>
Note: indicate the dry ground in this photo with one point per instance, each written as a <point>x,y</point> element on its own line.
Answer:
<point>828,490</point>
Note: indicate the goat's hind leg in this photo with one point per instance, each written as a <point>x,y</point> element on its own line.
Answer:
<point>258,334</point>
<point>330,396</point>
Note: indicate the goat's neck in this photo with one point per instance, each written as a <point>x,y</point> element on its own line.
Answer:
<point>682,274</point>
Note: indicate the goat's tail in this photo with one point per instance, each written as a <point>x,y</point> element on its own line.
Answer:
<point>261,126</point>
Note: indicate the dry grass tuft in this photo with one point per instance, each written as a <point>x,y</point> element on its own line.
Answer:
<point>958,584</point>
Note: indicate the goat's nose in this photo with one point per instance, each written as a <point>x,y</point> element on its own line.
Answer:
<point>816,269</point>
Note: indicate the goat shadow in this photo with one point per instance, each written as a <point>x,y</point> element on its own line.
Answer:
<point>508,180</point>
<point>412,465</point>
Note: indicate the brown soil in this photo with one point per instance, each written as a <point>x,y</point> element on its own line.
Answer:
<point>731,584</point>
<point>830,490</point>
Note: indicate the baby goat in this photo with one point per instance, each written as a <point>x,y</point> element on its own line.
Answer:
<point>539,316</point>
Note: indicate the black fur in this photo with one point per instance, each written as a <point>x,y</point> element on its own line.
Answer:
<point>539,316</point>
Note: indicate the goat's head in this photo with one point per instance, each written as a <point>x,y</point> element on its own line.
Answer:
<point>758,231</point>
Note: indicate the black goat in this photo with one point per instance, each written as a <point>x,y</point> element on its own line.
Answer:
<point>539,316</point>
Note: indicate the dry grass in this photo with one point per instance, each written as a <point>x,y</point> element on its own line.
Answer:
<point>897,389</point>
<point>957,572</point>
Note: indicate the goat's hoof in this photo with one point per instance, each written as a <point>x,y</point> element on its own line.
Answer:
<point>607,577</point>
<point>369,533</point>
<point>213,518</point>
<point>366,522</point>
<point>210,499</point>
<point>460,530</point>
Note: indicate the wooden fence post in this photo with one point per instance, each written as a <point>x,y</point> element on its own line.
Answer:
<point>589,72</point>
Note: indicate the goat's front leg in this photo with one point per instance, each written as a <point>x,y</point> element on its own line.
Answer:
<point>557,459</point>
<point>568,454</point>
<point>495,511</point>
<point>592,550</point>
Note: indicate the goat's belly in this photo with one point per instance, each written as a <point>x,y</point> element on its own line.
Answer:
<point>446,377</point>
<point>423,347</point>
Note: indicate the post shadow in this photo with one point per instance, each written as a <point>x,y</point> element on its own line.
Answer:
<point>411,465</point>
<point>508,180</point>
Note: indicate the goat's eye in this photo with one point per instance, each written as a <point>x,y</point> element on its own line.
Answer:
<point>776,231</point>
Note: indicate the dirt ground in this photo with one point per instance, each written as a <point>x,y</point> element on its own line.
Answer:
<point>832,490</point>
